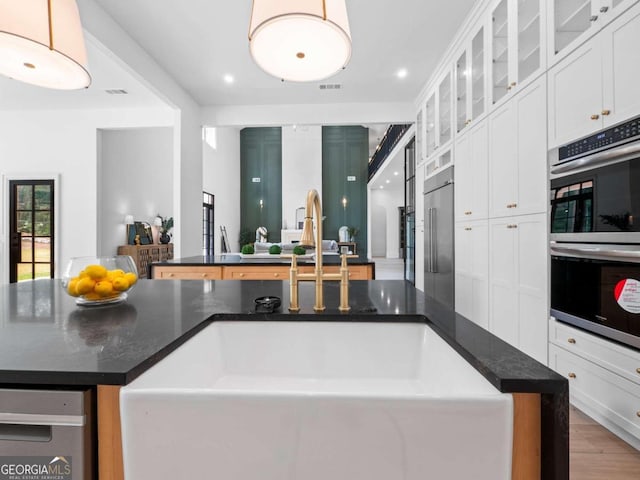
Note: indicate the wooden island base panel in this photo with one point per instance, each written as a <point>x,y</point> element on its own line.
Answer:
<point>249,272</point>
<point>526,435</point>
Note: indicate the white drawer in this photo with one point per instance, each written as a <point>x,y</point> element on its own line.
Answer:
<point>610,396</point>
<point>609,355</point>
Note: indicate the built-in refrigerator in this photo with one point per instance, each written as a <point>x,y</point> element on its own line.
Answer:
<point>438,237</point>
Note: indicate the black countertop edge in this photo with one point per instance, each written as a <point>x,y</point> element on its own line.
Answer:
<point>52,379</point>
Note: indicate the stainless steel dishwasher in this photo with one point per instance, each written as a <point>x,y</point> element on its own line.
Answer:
<point>46,434</point>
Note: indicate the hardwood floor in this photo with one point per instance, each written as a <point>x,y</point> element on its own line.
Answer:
<point>597,454</point>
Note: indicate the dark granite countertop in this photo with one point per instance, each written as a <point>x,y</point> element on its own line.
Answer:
<point>235,259</point>
<point>45,339</point>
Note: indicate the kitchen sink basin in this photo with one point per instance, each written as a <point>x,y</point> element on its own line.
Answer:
<point>312,400</point>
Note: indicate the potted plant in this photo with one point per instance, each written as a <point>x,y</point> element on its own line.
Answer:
<point>166,224</point>
<point>353,231</point>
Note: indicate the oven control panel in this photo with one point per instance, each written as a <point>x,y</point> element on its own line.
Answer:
<point>599,141</point>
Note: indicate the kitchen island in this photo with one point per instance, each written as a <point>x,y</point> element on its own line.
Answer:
<point>233,266</point>
<point>46,341</point>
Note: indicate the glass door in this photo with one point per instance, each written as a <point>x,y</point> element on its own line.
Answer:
<point>409,230</point>
<point>500,56</point>
<point>444,110</point>
<point>477,74</point>
<point>31,225</point>
<point>528,38</point>
<point>430,124</point>
<point>462,116</point>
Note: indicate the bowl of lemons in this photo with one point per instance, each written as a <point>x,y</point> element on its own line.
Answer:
<point>97,281</point>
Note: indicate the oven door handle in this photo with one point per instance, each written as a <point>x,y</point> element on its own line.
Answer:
<point>596,253</point>
<point>606,157</point>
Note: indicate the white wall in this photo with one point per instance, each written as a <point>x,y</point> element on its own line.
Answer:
<point>187,145</point>
<point>63,143</point>
<point>385,225</point>
<point>301,168</point>
<point>221,177</point>
<point>135,176</point>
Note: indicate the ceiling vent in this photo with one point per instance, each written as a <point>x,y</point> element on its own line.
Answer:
<point>330,86</point>
<point>116,91</point>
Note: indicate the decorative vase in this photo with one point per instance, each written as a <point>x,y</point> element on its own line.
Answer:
<point>164,238</point>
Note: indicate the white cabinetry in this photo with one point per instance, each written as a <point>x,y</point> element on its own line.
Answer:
<point>517,44</point>
<point>471,81</point>
<point>438,116</point>
<point>572,22</point>
<point>518,282</point>
<point>596,86</point>
<point>472,271</point>
<point>518,154</point>
<point>419,239</point>
<point>472,175</point>
<point>604,378</point>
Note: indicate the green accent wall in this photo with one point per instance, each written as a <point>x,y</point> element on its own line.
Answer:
<point>345,153</point>
<point>261,158</point>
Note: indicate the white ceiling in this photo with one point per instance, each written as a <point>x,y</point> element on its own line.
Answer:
<point>200,41</point>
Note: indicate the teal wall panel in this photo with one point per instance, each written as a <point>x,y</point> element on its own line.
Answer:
<point>261,158</point>
<point>345,153</point>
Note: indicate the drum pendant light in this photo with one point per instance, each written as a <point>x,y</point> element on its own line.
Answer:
<point>300,40</point>
<point>41,43</point>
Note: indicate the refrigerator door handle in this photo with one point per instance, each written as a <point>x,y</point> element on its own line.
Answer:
<point>434,235</point>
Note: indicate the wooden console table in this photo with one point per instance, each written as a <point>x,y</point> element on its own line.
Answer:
<point>144,255</point>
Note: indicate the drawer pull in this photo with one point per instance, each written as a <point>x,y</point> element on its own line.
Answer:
<point>606,112</point>
<point>595,116</point>
<point>638,414</point>
<point>241,275</point>
<point>593,18</point>
<point>204,275</point>
<point>512,226</point>
<point>572,375</point>
<point>468,213</point>
<point>512,205</point>
<point>170,275</point>
<point>468,229</point>
<point>604,9</point>
<point>638,371</point>
<point>276,275</point>
<point>571,340</point>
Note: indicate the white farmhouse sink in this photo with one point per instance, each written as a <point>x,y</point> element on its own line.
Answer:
<point>315,401</point>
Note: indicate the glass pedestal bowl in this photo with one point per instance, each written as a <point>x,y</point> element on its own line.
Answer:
<point>95,281</point>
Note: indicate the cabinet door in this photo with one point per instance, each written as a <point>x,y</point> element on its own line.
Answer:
<point>480,273</point>
<point>462,88</point>
<point>500,54</point>
<point>503,293</point>
<point>480,171</point>
<point>445,102</point>
<point>430,124</point>
<point>572,22</point>
<point>531,260</point>
<point>621,57</point>
<point>463,177</point>
<point>419,135</point>
<point>463,266</point>
<point>575,95</point>
<point>478,95</point>
<point>532,150</point>
<point>503,151</point>
<point>529,38</point>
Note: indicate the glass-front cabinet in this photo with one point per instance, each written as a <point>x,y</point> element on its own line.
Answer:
<point>438,116</point>
<point>444,110</point>
<point>574,21</point>
<point>419,132</point>
<point>517,39</point>
<point>470,82</point>
<point>430,124</point>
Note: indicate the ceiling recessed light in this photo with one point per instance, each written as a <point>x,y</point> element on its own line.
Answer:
<point>396,173</point>
<point>388,181</point>
<point>402,73</point>
<point>228,79</point>
<point>381,186</point>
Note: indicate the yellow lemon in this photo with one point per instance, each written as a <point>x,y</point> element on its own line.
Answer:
<point>131,278</point>
<point>91,296</point>
<point>104,288</point>
<point>85,285</point>
<point>72,287</point>
<point>112,274</point>
<point>120,284</point>
<point>96,272</point>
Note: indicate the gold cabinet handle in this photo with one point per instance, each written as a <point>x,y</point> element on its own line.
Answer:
<point>467,122</point>
<point>204,275</point>
<point>512,205</point>
<point>467,229</point>
<point>241,275</point>
<point>513,225</point>
<point>572,375</point>
<point>571,340</point>
<point>606,112</point>
<point>638,413</point>
<point>170,275</point>
<point>638,371</point>
<point>468,212</point>
<point>276,275</point>
<point>595,116</point>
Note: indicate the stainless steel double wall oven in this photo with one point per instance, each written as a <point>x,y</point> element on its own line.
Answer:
<point>595,233</point>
